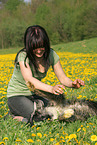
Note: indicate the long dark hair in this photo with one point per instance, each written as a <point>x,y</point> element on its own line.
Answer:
<point>35,37</point>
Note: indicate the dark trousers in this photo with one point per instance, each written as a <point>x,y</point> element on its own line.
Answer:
<point>24,105</point>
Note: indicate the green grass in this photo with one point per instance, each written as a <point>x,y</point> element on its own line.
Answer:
<point>85,46</point>
<point>82,57</point>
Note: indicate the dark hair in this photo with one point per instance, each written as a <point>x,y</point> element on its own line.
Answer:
<point>35,37</point>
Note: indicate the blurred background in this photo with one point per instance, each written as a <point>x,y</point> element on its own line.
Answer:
<point>64,21</point>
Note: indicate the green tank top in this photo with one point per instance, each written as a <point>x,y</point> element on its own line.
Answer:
<point>17,85</point>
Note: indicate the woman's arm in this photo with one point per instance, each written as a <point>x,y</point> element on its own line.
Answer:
<point>27,75</point>
<point>64,79</point>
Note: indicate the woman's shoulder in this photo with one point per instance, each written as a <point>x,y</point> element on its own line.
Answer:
<point>22,52</point>
<point>22,55</point>
<point>53,53</point>
<point>53,57</point>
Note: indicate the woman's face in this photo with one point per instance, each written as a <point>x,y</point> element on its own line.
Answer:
<point>38,52</point>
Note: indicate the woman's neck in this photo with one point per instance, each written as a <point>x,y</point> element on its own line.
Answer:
<point>39,59</point>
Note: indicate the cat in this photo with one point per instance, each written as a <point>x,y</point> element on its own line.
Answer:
<point>63,109</point>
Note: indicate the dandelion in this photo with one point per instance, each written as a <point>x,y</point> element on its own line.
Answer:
<point>64,133</point>
<point>62,137</point>
<point>49,119</point>
<point>0,116</point>
<point>39,135</point>
<point>38,140</point>
<point>93,138</point>
<point>33,126</point>
<point>5,138</point>
<point>58,143</point>
<point>62,128</point>
<point>38,128</point>
<point>30,141</point>
<point>66,137</point>
<point>2,102</point>
<point>84,129</point>
<point>18,140</point>
<point>78,129</point>
<point>91,123</point>
<point>80,96</point>
<point>81,125</point>
<point>62,140</point>
<point>45,135</point>
<point>2,143</point>
<point>87,126</point>
<point>76,141</point>
<point>91,99</point>
<point>86,143</point>
<point>33,134</point>
<point>96,143</point>
<point>51,139</point>
<point>72,136</point>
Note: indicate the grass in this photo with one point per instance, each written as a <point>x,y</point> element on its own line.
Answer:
<point>79,60</point>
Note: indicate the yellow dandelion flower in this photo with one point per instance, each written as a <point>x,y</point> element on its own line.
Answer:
<point>62,137</point>
<point>80,96</point>
<point>58,143</point>
<point>38,140</point>
<point>81,126</point>
<point>72,136</point>
<point>45,135</point>
<point>84,96</point>
<point>76,141</point>
<point>38,128</point>
<point>84,129</point>
<point>96,143</point>
<point>2,143</point>
<point>39,135</point>
<point>93,138</point>
<point>78,129</point>
<point>62,128</point>
<point>30,141</point>
<point>33,134</point>
<point>62,140</point>
<point>91,123</point>
<point>49,119</point>
<point>64,133</point>
<point>5,138</point>
<point>65,93</point>
<point>87,126</point>
<point>86,143</point>
<point>18,140</point>
<point>33,126</point>
<point>2,102</point>
<point>51,139</point>
<point>0,116</point>
<point>66,137</point>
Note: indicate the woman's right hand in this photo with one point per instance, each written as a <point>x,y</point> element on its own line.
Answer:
<point>58,89</point>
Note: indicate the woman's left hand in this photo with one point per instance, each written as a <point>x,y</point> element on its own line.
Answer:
<point>78,83</point>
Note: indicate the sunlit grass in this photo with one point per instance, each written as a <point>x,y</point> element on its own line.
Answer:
<point>75,65</point>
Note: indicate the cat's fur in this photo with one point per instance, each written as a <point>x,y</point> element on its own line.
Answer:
<point>66,109</point>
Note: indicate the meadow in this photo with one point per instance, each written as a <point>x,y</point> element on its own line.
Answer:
<point>79,60</point>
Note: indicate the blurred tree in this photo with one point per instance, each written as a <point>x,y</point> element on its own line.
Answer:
<point>3,1</point>
<point>12,4</point>
<point>63,20</point>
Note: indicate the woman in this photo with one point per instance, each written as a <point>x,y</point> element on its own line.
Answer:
<point>31,65</point>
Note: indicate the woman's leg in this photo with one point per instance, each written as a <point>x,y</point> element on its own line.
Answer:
<point>29,107</point>
<point>21,106</point>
